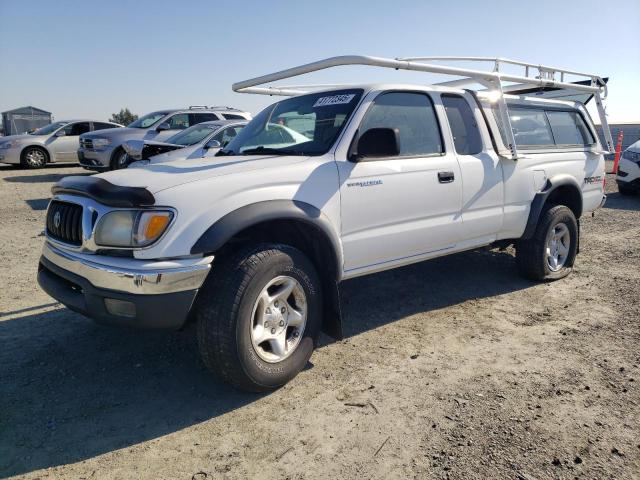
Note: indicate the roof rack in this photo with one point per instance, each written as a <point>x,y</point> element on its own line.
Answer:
<point>223,107</point>
<point>535,75</point>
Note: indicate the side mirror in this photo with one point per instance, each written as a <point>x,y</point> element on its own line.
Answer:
<point>163,126</point>
<point>61,133</point>
<point>212,144</point>
<point>378,143</point>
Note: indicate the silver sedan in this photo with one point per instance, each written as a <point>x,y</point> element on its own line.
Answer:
<point>56,142</point>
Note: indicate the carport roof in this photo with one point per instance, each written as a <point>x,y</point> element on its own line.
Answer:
<point>27,109</point>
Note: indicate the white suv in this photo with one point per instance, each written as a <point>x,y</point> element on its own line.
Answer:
<point>319,188</point>
<point>628,174</point>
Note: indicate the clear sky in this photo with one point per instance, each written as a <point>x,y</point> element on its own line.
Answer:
<point>90,58</point>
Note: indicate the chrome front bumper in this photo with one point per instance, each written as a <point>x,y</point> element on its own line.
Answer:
<point>132,276</point>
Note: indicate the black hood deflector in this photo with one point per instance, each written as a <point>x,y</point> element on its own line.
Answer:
<point>104,192</point>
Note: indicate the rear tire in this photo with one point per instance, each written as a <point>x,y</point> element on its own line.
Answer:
<point>237,300</point>
<point>550,253</point>
<point>34,157</point>
<point>626,191</point>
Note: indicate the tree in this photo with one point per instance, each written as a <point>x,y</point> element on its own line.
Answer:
<point>125,117</point>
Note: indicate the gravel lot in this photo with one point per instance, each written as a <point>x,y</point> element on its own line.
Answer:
<point>454,368</point>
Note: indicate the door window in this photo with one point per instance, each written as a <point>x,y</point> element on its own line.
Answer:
<point>233,116</point>
<point>75,129</point>
<point>102,126</point>
<point>179,121</point>
<point>226,135</point>
<point>414,117</point>
<point>196,118</point>
<point>466,136</point>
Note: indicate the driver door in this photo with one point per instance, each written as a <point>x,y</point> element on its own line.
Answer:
<point>397,209</point>
<point>65,148</point>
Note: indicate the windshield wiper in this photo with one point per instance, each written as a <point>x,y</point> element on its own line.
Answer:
<point>274,151</point>
<point>225,153</point>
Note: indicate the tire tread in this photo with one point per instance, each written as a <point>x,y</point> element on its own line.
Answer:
<point>528,251</point>
<point>216,320</point>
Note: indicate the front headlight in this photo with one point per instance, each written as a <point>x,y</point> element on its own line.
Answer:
<point>99,143</point>
<point>9,144</point>
<point>132,228</point>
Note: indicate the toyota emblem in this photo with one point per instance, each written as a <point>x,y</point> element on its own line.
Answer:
<point>56,220</point>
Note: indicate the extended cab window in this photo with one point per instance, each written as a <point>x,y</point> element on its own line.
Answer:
<point>530,127</point>
<point>466,136</point>
<point>414,117</point>
<point>569,128</point>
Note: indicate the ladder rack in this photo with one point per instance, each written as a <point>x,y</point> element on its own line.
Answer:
<point>535,75</point>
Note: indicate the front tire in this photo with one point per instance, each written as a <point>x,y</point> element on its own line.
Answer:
<point>119,159</point>
<point>550,253</point>
<point>259,315</point>
<point>34,157</point>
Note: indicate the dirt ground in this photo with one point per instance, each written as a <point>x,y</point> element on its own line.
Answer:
<point>454,368</point>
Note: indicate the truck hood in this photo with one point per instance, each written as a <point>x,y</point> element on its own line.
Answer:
<point>161,176</point>
<point>635,147</point>
<point>116,132</point>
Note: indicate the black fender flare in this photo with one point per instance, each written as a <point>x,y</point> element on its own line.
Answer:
<point>540,200</point>
<point>244,217</point>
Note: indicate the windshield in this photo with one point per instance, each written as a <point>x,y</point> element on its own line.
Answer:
<point>191,135</point>
<point>147,120</point>
<point>47,129</point>
<point>304,125</point>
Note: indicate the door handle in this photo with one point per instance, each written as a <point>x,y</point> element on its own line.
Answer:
<point>446,177</point>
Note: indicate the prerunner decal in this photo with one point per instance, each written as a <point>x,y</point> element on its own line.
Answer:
<point>333,100</point>
<point>593,179</point>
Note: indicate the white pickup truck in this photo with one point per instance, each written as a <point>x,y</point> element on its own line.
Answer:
<point>332,183</point>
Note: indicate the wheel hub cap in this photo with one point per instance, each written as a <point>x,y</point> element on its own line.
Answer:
<point>558,244</point>
<point>35,157</point>
<point>279,317</point>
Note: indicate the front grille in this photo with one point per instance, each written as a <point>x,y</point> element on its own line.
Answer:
<point>64,222</point>
<point>86,143</point>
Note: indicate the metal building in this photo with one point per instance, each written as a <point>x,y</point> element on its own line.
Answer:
<point>21,120</point>
<point>631,134</point>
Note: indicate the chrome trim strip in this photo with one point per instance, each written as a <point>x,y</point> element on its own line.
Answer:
<point>146,280</point>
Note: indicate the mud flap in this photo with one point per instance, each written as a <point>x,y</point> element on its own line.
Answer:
<point>332,322</point>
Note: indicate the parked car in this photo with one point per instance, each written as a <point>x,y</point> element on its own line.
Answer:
<point>104,151</point>
<point>254,245</point>
<point>201,140</point>
<point>628,175</point>
<point>56,142</point>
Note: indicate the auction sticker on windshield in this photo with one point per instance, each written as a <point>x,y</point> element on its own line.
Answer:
<point>333,100</point>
